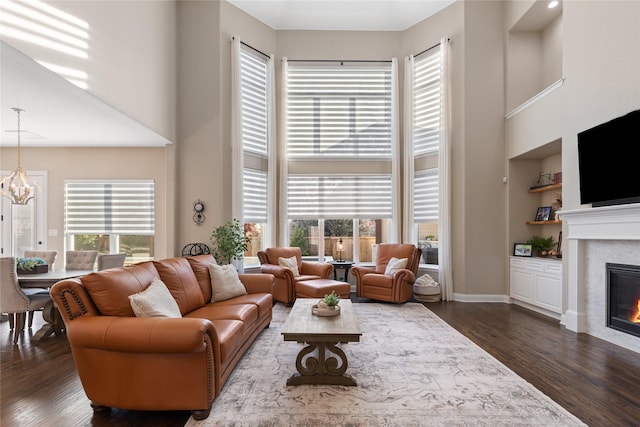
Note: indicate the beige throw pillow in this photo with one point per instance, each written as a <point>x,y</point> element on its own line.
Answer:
<point>155,301</point>
<point>225,283</point>
<point>291,263</point>
<point>395,264</point>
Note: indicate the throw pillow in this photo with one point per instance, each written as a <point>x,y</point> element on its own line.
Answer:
<point>155,301</point>
<point>225,283</point>
<point>291,263</point>
<point>395,264</point>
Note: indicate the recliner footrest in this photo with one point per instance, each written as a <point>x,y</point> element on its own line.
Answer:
<point>318,288</point>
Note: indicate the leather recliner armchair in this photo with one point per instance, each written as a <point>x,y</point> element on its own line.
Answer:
<point>375,284</point>
<point>284,288</point>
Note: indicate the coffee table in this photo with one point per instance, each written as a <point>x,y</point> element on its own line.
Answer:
<point>321,334</point>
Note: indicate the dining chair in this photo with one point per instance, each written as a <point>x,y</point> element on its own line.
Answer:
<point>80,260</point>
<point>17,301</point>
<point>48,256</point>
<point>106,261</point>
<point>50,259</point>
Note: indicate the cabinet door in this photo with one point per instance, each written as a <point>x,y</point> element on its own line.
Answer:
<point>549,291</point>
<point>521,284</point>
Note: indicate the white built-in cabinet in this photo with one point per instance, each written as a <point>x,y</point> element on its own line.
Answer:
<point>537,281</point>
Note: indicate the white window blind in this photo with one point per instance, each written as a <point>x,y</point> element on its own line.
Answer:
<point>339,111</point>
<point>253,76</point>
<point>427,101</point>
<point>109,207</point>
<point>339,197</point>
<point>425,192</point>
<point>254,196</point>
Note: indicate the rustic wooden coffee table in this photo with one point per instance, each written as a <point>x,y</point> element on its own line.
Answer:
<point>323,334</point>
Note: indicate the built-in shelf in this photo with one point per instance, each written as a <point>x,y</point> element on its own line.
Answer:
<point>551,221</point>
<point>551,187</point>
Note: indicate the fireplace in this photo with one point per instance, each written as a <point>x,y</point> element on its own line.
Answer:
<point>623,298</point>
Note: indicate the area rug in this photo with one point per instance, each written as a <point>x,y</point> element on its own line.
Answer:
<point>412,369</point>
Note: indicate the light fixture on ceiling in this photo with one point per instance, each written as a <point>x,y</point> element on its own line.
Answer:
<point>553,4</point>
<point>17,187</point>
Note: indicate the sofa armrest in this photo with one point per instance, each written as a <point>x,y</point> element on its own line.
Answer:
<point>141,335</point>
<point>404,275</point>
<point>322,269</point>
<point>359,271</point>
<point>258,283</point>
<point>278,271</point>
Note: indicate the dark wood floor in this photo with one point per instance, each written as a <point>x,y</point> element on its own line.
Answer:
<point>596,381</point>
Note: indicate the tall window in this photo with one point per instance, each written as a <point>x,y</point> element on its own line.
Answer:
<point>254,124</point>
<point>426,120</point>
<point>340,137</point>
<point>110,216</point>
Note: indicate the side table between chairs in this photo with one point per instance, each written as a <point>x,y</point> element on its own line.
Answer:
<point>341,265</point>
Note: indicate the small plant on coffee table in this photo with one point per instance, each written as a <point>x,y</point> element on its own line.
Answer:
<point>332,299</point>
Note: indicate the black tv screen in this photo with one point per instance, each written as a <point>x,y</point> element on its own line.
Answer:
<point>608,161</point>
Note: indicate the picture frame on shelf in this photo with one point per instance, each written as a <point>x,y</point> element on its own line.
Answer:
<point>523,249</point>
<point>543,213</point>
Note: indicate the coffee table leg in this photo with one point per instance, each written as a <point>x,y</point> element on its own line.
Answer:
<point>322,369</point>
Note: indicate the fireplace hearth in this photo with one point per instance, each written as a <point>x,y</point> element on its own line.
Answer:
<point>623,298</point>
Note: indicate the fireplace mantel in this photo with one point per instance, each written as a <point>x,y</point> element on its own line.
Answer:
<point>620,222</point>
<point>612,223</point>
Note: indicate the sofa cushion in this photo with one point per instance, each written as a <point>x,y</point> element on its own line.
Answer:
<point>290,263</point>
<point>181,281</point>
<point>200,266</point>
<point>110,289</point>
<point>225,282</point>
<point>155,301</point>
<point>247,313</point>
<point>395,264</point>
<point>264,302</point>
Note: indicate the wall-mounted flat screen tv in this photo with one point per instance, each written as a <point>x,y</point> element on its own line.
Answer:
<point>608,161</point>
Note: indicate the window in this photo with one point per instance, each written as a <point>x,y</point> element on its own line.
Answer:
<point>426,119</point>
<point>253,95</point>
<point>339,110</point>
<point>111,217</point>
<point>341,153</point>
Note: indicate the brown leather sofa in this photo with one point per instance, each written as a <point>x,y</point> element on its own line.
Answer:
<point>156,363</point>
<point>284,288</point>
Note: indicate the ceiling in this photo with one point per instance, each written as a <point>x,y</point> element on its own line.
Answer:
<point>355,15</point>
<point>59,114</point>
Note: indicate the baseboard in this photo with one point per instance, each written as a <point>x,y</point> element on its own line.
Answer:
<point>480,298</point>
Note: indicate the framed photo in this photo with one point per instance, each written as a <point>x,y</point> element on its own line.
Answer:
<point>543,213</point>
<point>523,249</point>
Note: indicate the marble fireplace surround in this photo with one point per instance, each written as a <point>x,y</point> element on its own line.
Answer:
<point>595,237</point>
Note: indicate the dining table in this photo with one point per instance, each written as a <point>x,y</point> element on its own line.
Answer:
<point>53,321</point>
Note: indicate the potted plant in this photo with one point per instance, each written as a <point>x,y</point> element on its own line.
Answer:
<point>542,245</point>
<point>331,300</point>
<point>31,266</point>
<point>229,242</point>
<point>327,306</point>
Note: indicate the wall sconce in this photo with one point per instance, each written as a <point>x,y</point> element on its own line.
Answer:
<point>340,249</point>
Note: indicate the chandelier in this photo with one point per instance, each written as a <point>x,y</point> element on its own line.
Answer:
<point>16,187</point>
